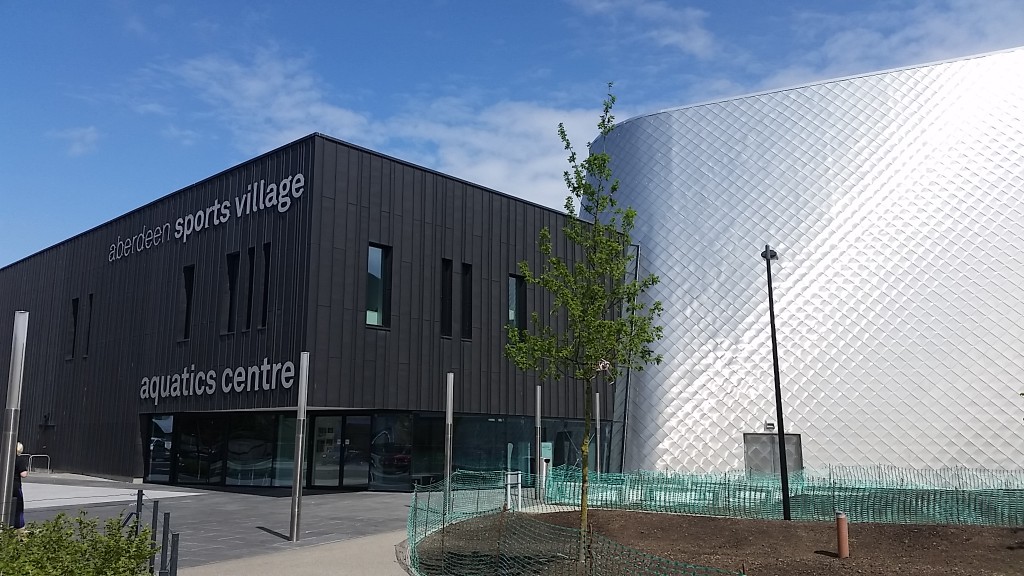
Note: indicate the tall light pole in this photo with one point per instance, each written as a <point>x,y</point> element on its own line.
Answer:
<point>768,256</point>
<point>12,417</point>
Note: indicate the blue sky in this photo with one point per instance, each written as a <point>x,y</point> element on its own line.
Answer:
<point>108,105</point>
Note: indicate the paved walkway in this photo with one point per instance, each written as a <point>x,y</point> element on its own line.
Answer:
<point>369,555</point>
<point>236,532</point>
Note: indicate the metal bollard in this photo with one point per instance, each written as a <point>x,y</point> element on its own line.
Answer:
<point>174,554</point>
<point>842,535</point>
<point>153,527</point>
<point>163,549</point>
<point>138,512</point>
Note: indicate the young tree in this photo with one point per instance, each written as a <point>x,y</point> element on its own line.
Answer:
<point>604,328</point>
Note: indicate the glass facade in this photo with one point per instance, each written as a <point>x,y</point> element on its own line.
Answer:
<point>484,443</point>
<point>200,441</point>
<point>391,451</point>
<point>284,455</point>
<point>160,439</point>
<point>326,454</point>
<point>250,449</point>
<point>356,455</point>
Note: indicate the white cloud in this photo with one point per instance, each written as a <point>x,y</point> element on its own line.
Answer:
<point>80,141</point>
<point>916,33</point>
<point>182,136</point>
<point>510,146</point>
<point>667,25</point>
<point>151,108</point>
<point>681,28</point>
<point>268,101</point>
<point>135,25</point>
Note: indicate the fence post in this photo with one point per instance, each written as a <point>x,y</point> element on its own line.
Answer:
<point>163,549</point>
<point>832,487</point>
<point>138,511</point>
<point>154,525</point>
<point>961,499</point>
<point>174,554</point>
<point>427,513</point>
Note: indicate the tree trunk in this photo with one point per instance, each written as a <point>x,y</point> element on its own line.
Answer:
<point>588,409</point>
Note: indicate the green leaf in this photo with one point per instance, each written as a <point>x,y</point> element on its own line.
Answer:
<point>600,325</point>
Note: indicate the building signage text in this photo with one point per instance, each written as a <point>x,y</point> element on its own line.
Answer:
<point>258,196</point>
<point>240,379</point>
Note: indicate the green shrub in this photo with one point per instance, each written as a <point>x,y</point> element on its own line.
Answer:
<point>75,547</point>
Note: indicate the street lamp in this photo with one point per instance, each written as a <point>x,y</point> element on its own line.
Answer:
<point>768,256</point>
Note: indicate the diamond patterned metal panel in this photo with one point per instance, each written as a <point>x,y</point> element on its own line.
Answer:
<point>896,204</point>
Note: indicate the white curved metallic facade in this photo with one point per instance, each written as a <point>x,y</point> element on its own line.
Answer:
<point>896,204</point>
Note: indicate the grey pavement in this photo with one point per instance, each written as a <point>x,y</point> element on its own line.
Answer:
<point>368,555</point>
<point>244,532</point>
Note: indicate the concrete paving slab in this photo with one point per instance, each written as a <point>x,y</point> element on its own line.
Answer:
<point>369,556</point>
<point>40,496</point>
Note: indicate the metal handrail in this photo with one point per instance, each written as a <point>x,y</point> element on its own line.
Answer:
<point>31,458</point>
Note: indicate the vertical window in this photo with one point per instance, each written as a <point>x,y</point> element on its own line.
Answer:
<point>467,301</point>
<point>88,326</point>
<point>378,286</point>
<point>188,276</point>
<point>73,332</point>
<point>252,287</point>
<point>232,308</point>
<point>517,301</point>
<point>266,284</point>
<point>446,297</point>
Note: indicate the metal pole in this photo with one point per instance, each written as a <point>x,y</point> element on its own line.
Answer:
<point>768,256</point>
<point>625,399</point>
<point>174,554</point>
<point>12,417</point>
<point>300,448</point>
<point>166,543</point>
<point>138,512</point>
<point>152,531</point>
<point>597,434</point>
<point>448,425</point>
<point>537,435</point>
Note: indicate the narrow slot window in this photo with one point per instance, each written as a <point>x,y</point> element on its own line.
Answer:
<point>266,284</point>
<point>446,297</point>
<point>517,302</point>
<point>90,314</point>
<point>73,332</point>
<point>188,276</point>
<point>467,301</point>
<point>378,286</point>
<point>252,287</point>
<point>232,268</point>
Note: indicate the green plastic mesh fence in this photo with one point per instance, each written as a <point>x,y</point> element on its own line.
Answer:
<point>484,528</point>
<point>865,494</point>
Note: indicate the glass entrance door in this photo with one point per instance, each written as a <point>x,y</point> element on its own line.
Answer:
<point>327,451</point>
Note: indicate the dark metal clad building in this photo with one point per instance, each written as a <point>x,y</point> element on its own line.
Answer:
<point>165,344</point>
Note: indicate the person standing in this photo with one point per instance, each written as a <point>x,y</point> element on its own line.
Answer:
<point>20,471</point>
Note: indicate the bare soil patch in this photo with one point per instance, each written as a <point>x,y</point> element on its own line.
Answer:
<point>773,547</point>
<point>760,547</point>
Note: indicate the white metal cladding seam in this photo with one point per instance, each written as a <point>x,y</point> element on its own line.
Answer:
<point>896,204</point>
